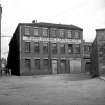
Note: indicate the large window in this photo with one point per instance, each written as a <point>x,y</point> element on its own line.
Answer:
<point>69,34</point>
<point>70,48</point>
<point>27,47</point>
<point>53,32</point>
<point>36,47</point>
<point>77,35</point>
<point>45,32</point>
<point>45,63</point>
<point>54,48</point>
<point>28,63</point>
<point>37,64</point>
<point>62,48</point>
<point>27,30</point>
<point>61,33</point>
<point>77,48</point>
<point>35,31</point>
<point>45,48</point>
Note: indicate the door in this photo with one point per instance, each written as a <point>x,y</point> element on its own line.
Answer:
<point>63,66</point>
<point>75,66</point>
<point>54,66</point>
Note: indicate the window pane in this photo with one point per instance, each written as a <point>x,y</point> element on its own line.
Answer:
<point>28,63</point>
<point>54,48</point>
<point>70,48</point>
<point>27,31</point>
<point>45,63</point>
<point>77,36</point>
<point>77,48</point>
<point>53,32</point>
<point>36,47</point>
<point>45,32</point>
<point>61,33</point>
<point>69,33</point>
<point>36,31</point>
<point>37,63</point>
<point>27,47</point>
<point>45,48</point>
<point>62,48</point>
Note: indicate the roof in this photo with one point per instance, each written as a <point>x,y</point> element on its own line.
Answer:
<point>101,29</point>
<point>48,25</point>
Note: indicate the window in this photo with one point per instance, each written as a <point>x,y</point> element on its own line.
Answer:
<point>62,48</point>
<point>28,63</point>
<point>69,34</point>
<point>70,48</point>
<point>45,63</point>
<point>77,48</point>
<point>45,48</point>
<point>77,36</point>
<point>53,32</point>
<point>61,33</point>
<point>27,30</point>
<point>54,48</point>
<point>37,64</point>
<point>36,47</point>
<point>27,47</point>
<point>45,32</point>
<point>35,31</point>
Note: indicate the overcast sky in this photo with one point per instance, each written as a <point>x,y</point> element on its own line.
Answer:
<point>87,14</point>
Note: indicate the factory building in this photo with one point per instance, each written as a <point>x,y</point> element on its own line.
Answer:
<point>46,48</point>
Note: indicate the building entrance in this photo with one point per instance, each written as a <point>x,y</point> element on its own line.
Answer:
<point>75,66</point>
<point>54,66</point>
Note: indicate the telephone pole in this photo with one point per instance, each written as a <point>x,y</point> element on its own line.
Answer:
<point>0,34</point>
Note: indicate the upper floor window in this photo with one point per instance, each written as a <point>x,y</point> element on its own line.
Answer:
<point>61,33</point>
<point>27,46</point>
<point>36,47</point>
<point>35,31</point>
<point>53,32</point>
<point>27,30</point>
<point>69,34</point>
<point>45,32</point>
<point>70,48</point>
<point>45,48</point>
<point>77,48</point>
<point>54,48</point>
<point>62,48</point>
<point>77,36</point>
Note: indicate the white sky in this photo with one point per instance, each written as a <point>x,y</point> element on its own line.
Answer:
<point>87,14</point>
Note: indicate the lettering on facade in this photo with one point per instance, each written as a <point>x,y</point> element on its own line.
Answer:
<point>53,40</point>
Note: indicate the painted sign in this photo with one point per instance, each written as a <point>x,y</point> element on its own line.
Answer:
<point>53,40</point>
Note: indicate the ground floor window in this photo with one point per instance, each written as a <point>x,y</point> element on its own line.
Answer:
<point>37,64</point>
<point>28,63</point>
<point>45,63</point>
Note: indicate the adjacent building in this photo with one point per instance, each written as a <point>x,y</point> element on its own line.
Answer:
<point>46,48</point>
<point>87,57</point>
<point>98,53</point>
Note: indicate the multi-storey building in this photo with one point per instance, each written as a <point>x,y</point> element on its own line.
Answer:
<point>0,33</point>
<point>87,57</point>
<point>46,48</point>
<point>98,53</point>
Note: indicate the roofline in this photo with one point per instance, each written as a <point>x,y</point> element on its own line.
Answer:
<point>101,29</point>
<point>53,25</point>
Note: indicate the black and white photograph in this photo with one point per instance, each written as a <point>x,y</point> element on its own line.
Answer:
<point>52,52</point>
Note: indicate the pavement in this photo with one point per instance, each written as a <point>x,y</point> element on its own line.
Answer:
<point>65,89</point>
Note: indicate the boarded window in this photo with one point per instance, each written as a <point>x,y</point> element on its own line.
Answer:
<point>28,63</point>
<point>37,64</point>
<point>62,48</point>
